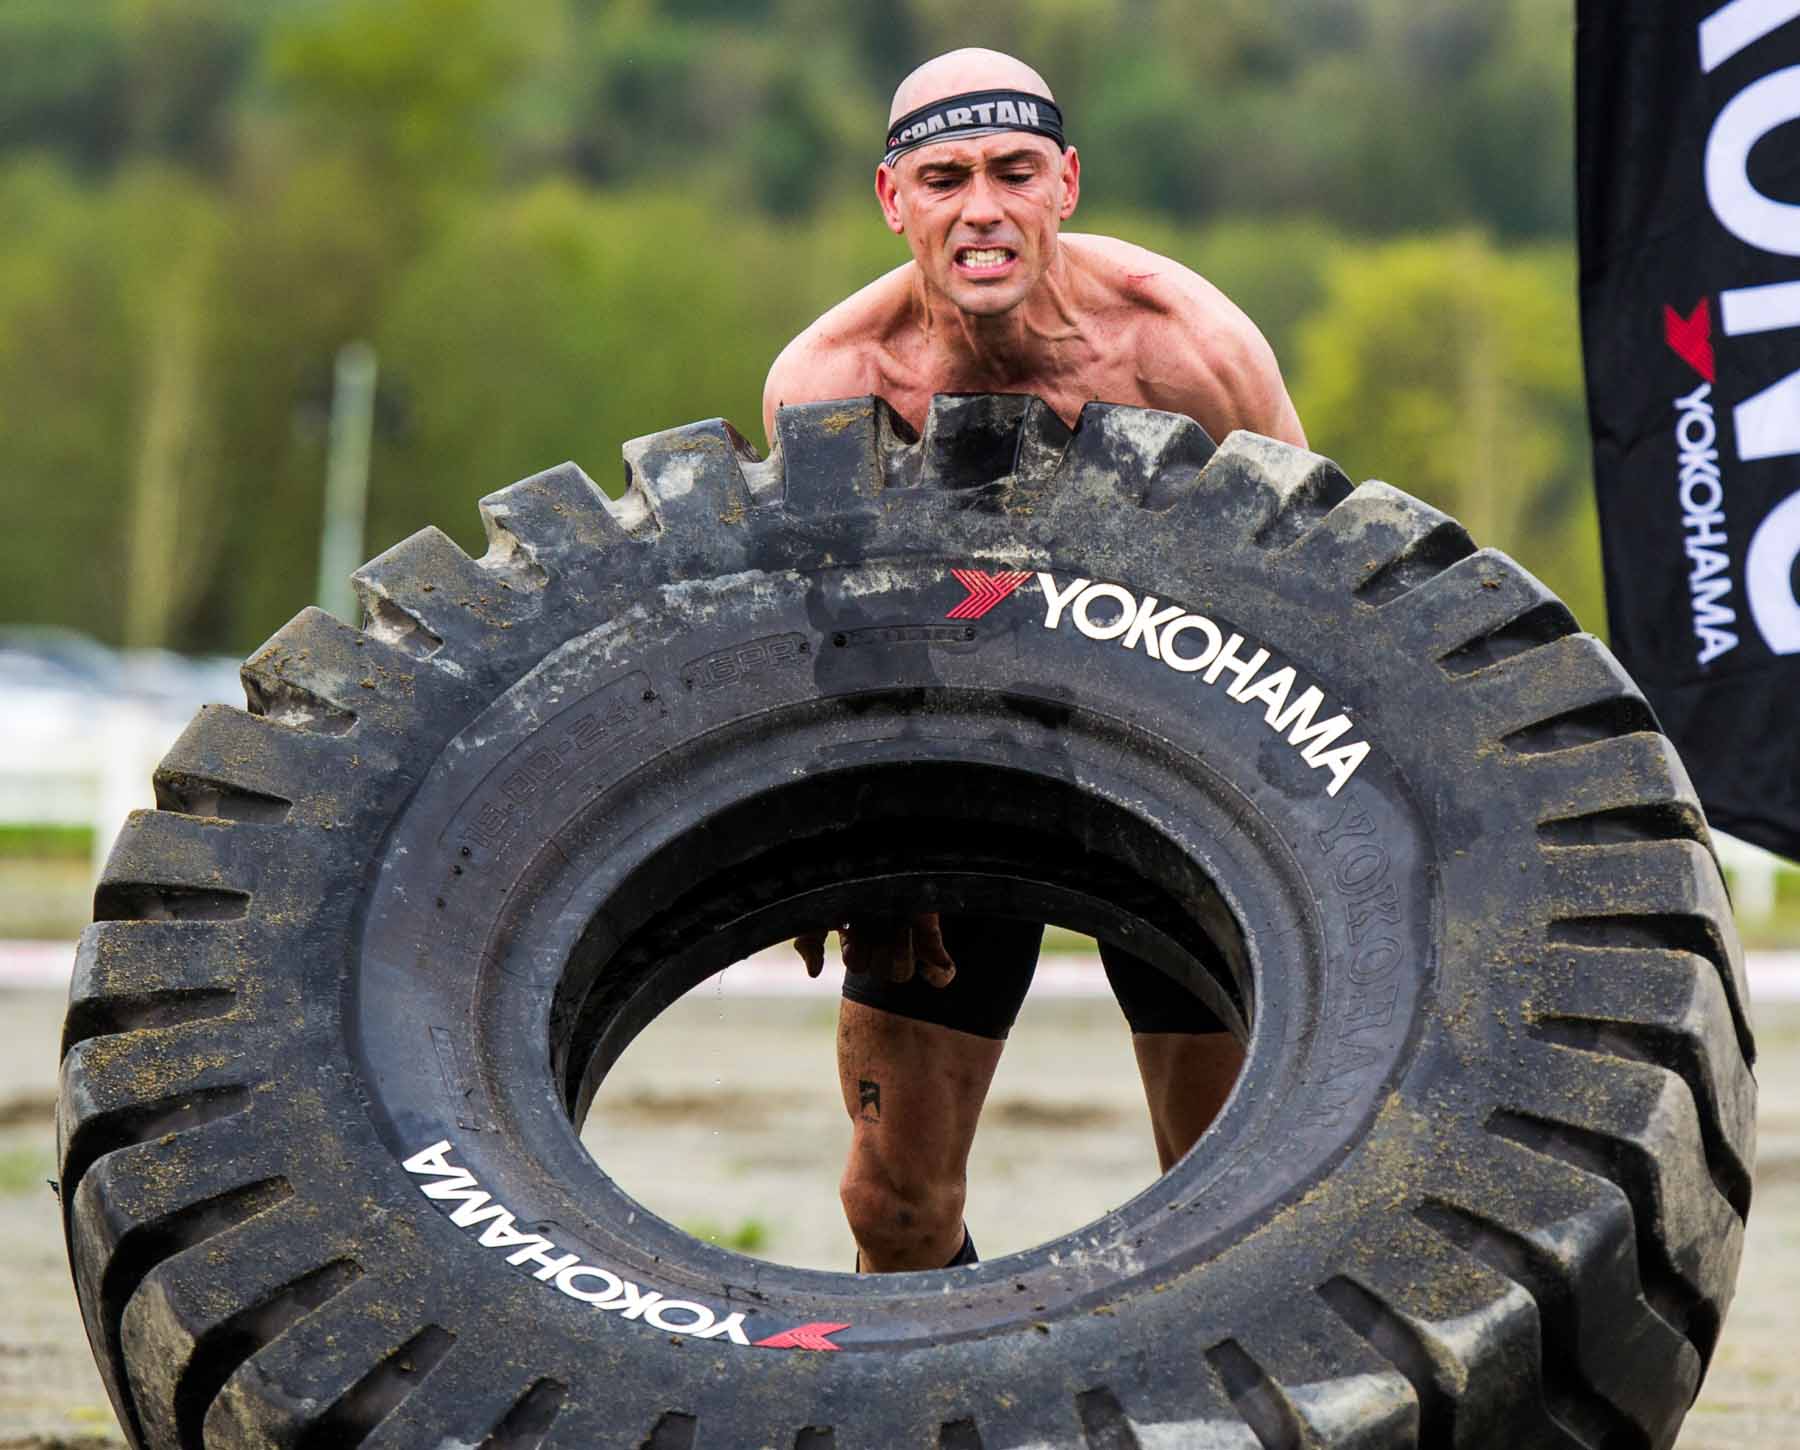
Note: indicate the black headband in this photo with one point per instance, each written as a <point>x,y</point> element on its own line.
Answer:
<point>978,113</point>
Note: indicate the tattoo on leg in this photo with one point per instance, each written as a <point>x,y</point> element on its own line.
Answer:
<point>869,1100</point>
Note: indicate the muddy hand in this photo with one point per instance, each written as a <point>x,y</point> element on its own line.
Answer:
<point>811,947</point>
<point>929,950</point>
<point>893,947</point>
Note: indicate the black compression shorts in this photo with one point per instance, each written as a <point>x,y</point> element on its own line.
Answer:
<point>995,958</point>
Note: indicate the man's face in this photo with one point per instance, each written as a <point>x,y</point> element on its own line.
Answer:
<point>981,214</point>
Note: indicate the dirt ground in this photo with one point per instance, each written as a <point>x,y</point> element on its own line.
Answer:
<point>724,1118</point>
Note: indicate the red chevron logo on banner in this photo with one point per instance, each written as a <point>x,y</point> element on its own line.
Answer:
<point>985,590</point>
<point>1691,336</point>
<point>803,1336</point>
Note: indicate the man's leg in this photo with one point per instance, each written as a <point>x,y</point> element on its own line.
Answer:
<point>1187,1059</point>
<point>914,1092</point>
<point>1187,1077</point>
<point>915,1062</point>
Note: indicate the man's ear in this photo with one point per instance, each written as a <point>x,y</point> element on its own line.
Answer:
<point>1071,182</point>
<point>889,196</point>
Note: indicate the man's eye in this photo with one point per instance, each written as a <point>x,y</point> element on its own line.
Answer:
<point>942,183</point>
<point>1016,178</point>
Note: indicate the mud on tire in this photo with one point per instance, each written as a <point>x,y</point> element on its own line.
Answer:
<point>350,987</point>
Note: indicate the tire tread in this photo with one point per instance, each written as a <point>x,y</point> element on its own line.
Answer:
<point>528,1419</point>
<point>1397,1340</point>
<point>1542,624</point>
<point>91,1128</point>
<point>220,1350</point>
<point>1104,1423</point>
<point>247,768</point>
<point>1674,1291</point>
<point>673,1430</point>
<point>1437,547</point>
<point>560,519</point>
<point>1259,1399</point>
<point>136,1214</point>
<point>959,1435</point>
<point>1591,1420</point>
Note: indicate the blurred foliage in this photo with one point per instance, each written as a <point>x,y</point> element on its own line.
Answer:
<point>28,1170</point>
<point>1454,371</point>
<point>565,223</point>
<point>750,1236</point>
<point>40,843</point>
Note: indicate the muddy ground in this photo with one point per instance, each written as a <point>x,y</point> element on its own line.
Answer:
<point>725,1118</point>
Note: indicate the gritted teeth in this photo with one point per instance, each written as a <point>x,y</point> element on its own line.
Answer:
<point>983,256</point>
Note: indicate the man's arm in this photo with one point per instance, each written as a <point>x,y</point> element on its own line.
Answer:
<point>781,386</point>
<point>809,370</point>
<point>1205,358</point>
<point>1248,389</point>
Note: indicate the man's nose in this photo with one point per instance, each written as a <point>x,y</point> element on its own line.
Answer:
<point>981,203</point>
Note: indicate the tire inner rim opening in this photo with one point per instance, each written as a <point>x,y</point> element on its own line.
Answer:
<point>893,840</point>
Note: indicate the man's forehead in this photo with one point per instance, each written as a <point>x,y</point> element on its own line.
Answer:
<point>969,152</point>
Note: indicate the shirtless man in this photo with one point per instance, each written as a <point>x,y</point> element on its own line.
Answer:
<point>977,179</point>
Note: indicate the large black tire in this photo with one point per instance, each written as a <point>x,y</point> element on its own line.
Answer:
<point>1482,1182</point>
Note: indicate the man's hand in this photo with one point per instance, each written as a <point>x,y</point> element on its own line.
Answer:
<point>890,946</point>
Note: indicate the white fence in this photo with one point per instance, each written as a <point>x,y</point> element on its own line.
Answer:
<point>82,760</point>
<point>1753,873</point>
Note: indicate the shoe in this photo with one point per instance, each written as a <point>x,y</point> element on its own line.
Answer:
<point>965,1255</point>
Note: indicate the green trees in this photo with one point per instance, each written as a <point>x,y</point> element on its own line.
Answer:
<point>101,410</point>
<point>1454,370</point>
<point>565,222</point>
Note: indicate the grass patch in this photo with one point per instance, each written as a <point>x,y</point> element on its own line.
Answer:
<point>43,843</point>
<point>85,1415</point>
<point>45,900</point>
<point>751,1236</point>
<point>1779,931</point>
<point>1060,941</point>
<point>24,1171</point>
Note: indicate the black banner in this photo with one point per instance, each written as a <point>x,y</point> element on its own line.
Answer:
<point>1688,130</point>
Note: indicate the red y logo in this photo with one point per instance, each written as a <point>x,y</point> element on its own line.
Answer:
<point>1691,336</point>
<point>985,590</point>
<point>804,1336</point>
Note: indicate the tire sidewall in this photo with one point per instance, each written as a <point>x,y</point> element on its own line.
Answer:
<point>630,734</point>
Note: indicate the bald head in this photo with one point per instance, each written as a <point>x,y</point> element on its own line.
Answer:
<point>957,72</point>
<point>978,177</point>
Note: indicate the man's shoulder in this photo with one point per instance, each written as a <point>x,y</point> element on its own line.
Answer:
<point>1151,283</point>
<point>1196,351</point>
<point>815,362</point>
<point>836,348</point>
